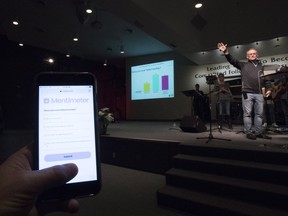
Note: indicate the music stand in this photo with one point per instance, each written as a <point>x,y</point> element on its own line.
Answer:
<point>210,80</point>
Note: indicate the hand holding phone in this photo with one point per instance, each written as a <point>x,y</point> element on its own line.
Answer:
<point>66,130</point>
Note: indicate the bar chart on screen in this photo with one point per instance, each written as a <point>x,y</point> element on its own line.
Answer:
<point>152,81</point>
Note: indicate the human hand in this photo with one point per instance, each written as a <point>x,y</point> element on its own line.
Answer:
<point>267,93</point>
<point>222,47</point>
<point>20,185</point>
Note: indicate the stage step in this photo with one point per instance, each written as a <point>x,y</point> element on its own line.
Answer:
<point>257,192</point>
<point>228,181</point>
<point>273,173</point>
<point>256,154</point>
<point>204,204</point>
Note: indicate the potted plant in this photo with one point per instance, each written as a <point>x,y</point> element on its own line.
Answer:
<point>105,117</point>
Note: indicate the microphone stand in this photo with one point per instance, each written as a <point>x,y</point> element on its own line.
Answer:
<point>210,80</point>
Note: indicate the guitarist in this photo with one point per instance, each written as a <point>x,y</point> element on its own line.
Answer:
<point>269,107</point>
<point>278,89</point>
<point>283,97</point>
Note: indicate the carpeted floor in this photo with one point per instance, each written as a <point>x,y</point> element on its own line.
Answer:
<point>125,192</point>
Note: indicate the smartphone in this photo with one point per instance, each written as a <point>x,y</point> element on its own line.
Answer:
<point>66,130</point>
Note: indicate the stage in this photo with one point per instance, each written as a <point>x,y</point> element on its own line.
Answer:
<point>170,131</point>
<point>151,145</point>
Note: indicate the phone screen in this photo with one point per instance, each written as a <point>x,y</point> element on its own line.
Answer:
<point>66,129</point>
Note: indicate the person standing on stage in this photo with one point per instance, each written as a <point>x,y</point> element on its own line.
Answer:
<point>252,97</point>
<point>198,102</point>
<point>283,96</point>
<point>224,95</point>
<point>269,109</point>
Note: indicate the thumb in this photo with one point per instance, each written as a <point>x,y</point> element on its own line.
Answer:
<point>54,176</point>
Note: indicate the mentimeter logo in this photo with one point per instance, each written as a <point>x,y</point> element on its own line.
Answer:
<point>46,100</point>
<point>65,100</point>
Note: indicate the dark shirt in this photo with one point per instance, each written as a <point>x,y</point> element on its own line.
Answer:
<point>199,95</point>
<point>250,74</point>
<point>198,102</point>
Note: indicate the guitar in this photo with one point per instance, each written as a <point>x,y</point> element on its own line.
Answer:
<point>277,90</point>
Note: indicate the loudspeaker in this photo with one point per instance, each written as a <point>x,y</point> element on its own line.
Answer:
<point>192,124</point>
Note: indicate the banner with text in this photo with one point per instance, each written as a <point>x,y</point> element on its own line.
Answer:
<point>200,72</point>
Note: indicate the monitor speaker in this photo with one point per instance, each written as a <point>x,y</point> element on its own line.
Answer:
<point>192,124</point>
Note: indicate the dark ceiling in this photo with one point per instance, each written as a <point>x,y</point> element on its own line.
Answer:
<point>147,27</point>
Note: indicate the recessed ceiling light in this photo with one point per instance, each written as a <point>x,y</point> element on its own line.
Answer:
<point>21,44</point>
<point>15,22</point>
<point>88,7</point>
<point>121,49</point>
<point>50,60</point>
<point>89,11</point>
<point>198,5</point>
<point>76,36</point>
<point>105,63</point>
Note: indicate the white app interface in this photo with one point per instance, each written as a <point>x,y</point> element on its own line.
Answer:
<point>66,129</point>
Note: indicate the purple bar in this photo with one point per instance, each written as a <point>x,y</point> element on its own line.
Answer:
<point>165,83</point>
